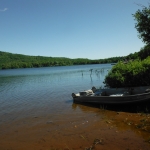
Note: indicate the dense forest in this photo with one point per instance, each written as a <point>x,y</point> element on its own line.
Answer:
<point>11,61</point>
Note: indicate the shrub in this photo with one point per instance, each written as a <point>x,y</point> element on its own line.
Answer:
<point>133,73</point>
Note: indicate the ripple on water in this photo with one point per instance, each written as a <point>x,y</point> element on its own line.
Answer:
<point>35,92</point>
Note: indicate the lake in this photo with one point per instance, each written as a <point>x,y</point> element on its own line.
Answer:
<point>37,110</point>
<point>38,91</point>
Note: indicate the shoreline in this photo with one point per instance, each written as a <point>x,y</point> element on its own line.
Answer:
<point>114,130</point>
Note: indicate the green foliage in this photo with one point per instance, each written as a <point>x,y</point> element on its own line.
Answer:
<point>137,71</point>
<point>142,25</point>
<point>132,56</point>
<point>11,61</point>
<point>133,73</point>
<point>144,52</point>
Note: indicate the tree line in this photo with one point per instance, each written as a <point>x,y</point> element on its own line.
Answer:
<point>11,61</point>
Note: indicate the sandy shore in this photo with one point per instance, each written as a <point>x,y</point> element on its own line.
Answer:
<point>102,129</point>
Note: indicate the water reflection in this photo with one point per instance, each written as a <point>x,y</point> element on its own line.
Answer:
<point>132,108</point>
<point>35,88</point>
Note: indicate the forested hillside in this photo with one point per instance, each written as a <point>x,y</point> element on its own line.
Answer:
<point>10,61</point>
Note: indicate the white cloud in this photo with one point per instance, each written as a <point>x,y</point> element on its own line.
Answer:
<point>4,9</point>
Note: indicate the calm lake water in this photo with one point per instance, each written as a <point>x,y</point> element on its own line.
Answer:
<point>37,112</point>
<point>42,91</point>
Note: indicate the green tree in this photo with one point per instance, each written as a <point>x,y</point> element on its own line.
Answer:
<point>144,52</point>
<point>142,18</point>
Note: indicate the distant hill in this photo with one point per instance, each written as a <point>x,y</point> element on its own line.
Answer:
<point>11,61</point>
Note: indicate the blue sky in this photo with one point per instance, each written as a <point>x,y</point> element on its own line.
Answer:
<point>93,29</point>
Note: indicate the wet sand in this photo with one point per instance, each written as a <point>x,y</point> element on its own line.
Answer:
<point>102,129</point>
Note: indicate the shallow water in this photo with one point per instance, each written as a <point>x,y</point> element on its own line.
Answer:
<point>37,110</point>
<point>38,91</point>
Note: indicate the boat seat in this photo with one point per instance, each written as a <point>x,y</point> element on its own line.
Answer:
<point>86,93</point>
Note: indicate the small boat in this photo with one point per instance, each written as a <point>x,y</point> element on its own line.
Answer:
<point>113,95</point>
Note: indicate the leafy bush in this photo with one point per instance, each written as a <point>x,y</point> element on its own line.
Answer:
<point>133,73</point>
